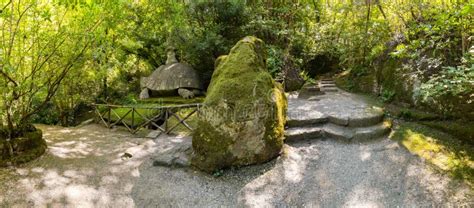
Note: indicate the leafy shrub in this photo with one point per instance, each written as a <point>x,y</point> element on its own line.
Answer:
<point>129,99</point>
<point>453,86</point>
<point>387,96</point>
<point>307,78</point>
<point>274,60</point>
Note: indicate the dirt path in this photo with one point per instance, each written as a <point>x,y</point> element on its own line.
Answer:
<point>83,167</point>
<point>311,173</point>
<point>339,155</point>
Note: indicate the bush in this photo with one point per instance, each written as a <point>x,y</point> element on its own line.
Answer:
<point>387,96</point>
<point>451,90</point>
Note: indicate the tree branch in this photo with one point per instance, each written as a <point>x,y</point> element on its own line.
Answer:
<point>4,7</point>
<point>5,75</point>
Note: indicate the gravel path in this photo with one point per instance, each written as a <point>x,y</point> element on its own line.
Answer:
<point>319,172</point>
<point>311,173</point>
<point>83,167</point>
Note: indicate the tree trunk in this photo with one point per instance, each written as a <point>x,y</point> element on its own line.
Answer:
<point>11,131</point>
<point>366,29</point>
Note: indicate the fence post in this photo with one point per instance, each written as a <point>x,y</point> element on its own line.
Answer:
<point>133,117</point>
<point>166,120</point>
<point>108,119</point>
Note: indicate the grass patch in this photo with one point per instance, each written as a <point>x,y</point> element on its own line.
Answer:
<point>438,148</point>
<point>180,129</point>
<point>149,113</point>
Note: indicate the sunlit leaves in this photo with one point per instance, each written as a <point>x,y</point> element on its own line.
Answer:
<point>453,84</point>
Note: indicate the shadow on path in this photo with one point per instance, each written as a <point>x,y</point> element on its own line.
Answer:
<point>310,173</point>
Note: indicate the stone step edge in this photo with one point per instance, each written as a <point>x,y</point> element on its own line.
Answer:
<point>357,122</point>
<point>294,134</point>
<point>349,122</point>
<point>299,123</point>
<point>338,132</point>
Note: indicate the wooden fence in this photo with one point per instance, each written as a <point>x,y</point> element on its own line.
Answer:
<point>133,118</point>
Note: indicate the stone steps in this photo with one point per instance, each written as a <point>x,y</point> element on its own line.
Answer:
<point>327,85</point>
<point>361,121</point>
<point>338,115</point>
<point>299,133</point>
<point>306,121</point>
<point>329,90</point>
<point>334,131</point>
<point>310,91</point>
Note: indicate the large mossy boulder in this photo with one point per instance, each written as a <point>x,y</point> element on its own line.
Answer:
<point>243,120</point>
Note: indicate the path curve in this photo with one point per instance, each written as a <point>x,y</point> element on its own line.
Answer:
<point>314,171</point>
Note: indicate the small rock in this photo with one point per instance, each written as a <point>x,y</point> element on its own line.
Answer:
<point>178,161</point>
<point>127,155</point>
<point>313,99</point>
<point>177,155</point>
<point>86,122</point>
<point>154,134</point>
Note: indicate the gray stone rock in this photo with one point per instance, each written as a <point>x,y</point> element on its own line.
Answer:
<point>185,93</point>
<point>86,122</point>
<point>175,154</point>
<point>306,119</point>
<point>292,80</point>
<point>144,94</point>
<point>338,132</point>
<point>127,155</point>
<point>154,134</point>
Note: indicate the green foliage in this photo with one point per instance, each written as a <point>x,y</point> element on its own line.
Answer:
<point>452,81</point>
<point>218,173</point>
<point>42,44</point>
<point>130,99</point>
<point>58,55</point>
<point>387,96</point>
<point>274,60</point>
<point>307,78</point>
<point>453,86</point>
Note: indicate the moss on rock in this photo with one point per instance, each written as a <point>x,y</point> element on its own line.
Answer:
<point>243,120</point>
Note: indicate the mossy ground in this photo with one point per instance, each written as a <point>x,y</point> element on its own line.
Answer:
<point>438,148</point>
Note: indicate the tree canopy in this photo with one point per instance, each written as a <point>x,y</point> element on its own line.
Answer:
<point>58,55</point>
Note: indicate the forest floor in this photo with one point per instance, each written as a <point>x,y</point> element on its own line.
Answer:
<point>86,167</point>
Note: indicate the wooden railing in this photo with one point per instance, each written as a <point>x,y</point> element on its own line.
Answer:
<point>157,118</point>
